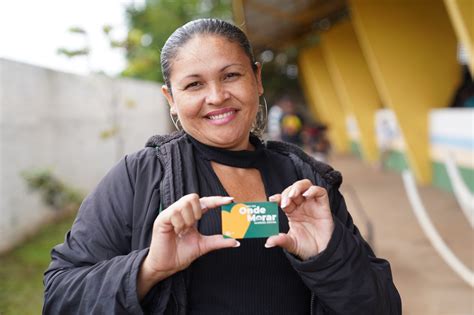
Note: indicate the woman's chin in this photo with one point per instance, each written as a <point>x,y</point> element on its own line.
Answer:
<point>231,141</point>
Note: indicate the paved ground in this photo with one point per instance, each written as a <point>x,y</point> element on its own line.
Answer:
<point>427,285</point>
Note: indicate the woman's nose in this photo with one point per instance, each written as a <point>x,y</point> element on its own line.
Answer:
<point>217,94</point>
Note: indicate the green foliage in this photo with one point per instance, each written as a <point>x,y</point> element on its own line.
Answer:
<point>107,29</point>
<point>70,53</point>
<point>277,77</point>
<point>21,272</point>
<point>152,24</point>
<point>53,191</point>
<point>77,30</point>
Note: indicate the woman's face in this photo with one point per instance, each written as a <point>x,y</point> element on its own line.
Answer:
<point>215,91</point>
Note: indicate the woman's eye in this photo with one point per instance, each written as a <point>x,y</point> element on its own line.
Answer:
<point>192,85</point>
<point>232,75</point>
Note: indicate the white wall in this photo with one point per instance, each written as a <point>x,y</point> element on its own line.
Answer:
<point>50,119</point>
<point>452,132</point>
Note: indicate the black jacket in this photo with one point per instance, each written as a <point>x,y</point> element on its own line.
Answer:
<point>95,270</point>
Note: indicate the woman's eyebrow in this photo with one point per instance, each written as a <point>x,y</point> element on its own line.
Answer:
<point>230,65</point>
<point>195,75</point>
<point>190,76</point>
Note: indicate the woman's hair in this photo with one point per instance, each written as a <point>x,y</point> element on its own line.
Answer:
<point>201,27</point>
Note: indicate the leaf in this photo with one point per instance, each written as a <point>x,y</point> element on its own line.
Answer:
<point>77,30</point>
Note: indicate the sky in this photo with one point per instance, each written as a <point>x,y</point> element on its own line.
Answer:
<point>31,31</point>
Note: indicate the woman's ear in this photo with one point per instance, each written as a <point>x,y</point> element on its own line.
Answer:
<point>167,94</point>
<point>258,75</point>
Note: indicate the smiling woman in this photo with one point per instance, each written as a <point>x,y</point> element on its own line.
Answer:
<point>149,238</point>
<point>216,98</point>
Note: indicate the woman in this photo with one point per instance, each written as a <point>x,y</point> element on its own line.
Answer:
<point>148,239</point>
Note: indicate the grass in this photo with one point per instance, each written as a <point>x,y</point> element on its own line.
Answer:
<point>21,270</point>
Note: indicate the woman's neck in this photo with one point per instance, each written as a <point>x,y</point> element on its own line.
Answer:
<point>240,158</point>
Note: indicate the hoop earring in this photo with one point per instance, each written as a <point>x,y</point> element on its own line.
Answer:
<point>265,112</point>
<point>260,123</point>
<point>176,122</point>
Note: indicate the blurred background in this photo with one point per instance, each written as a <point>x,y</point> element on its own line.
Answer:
<point>381,90</point>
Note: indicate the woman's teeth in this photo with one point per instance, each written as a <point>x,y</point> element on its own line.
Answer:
<point>220,116</point>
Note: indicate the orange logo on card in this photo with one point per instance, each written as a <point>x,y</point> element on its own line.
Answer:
<point>235,223</point>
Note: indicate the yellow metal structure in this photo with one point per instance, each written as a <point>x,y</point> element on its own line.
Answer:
<point>410,47</point>
<point>461,13</point>
<point>320,91</point>
<point>353,82</point>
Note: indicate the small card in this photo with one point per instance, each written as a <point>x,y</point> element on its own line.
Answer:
<point>250,220</point>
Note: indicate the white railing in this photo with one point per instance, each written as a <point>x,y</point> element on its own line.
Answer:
<point>463,196</point>
<point>428,228</point>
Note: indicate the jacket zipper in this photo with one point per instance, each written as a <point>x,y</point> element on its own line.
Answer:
<point>311,305</point>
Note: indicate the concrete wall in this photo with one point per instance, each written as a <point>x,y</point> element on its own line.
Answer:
<point>55,120</point>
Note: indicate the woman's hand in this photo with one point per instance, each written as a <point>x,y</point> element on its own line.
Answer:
<point>176,242</point>
<point>309,217</point>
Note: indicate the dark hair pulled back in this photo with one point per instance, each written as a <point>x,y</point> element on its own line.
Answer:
<point>201,27</point>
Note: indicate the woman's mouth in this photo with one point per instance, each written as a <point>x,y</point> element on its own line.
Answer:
<point>221,117</point>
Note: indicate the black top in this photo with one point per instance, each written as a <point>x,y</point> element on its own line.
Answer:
<point>95,270</point>
<point>250,279</point>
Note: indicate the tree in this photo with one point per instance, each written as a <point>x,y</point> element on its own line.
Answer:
<point>152,24</point>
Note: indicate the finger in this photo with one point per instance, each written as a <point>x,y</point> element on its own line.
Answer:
<point>297,200</point>
<point>290,207</point>
<point>299,187</point>
<point>178,206</point>
<point>295,191</point>
<point>282,240</point>
<point>287,204</point>
<point>275,198</point>
<point>315,192</point>
<point>178,222</point>
<point>191,210</point>
<point>214,242</point>
<point>163,220</point>
<point>197,210</point>
<point>285,201</point>
<point>188,214</point>
<point>213,202</point>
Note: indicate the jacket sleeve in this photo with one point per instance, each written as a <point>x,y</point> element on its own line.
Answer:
<point>347,278</point>
<point>94,271</point>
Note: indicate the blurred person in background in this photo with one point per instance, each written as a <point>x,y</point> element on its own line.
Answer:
<point>386,135</point>
<point>464,94</point>
<point>274,117</point>
<point>291,122</point>
<point>316,142</point>
<point>148,239</point>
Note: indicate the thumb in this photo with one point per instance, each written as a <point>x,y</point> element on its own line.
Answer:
<point>214,242</point>
<point>282,240</point>
<point>213,202</point>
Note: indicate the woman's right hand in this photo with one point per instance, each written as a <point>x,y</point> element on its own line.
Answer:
<point>176,242</point>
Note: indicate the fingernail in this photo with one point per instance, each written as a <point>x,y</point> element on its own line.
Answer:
<point>292,193</point>
<point>228,198</point>
<point>284,202</point>
<point>306,193</point>
<point>271,198</point>
<point>269,246</point>
<point>237,244</point>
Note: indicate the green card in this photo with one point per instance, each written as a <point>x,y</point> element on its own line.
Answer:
<point>250,220</point>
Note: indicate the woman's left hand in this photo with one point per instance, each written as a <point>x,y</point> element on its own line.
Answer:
<point>309,217</point>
